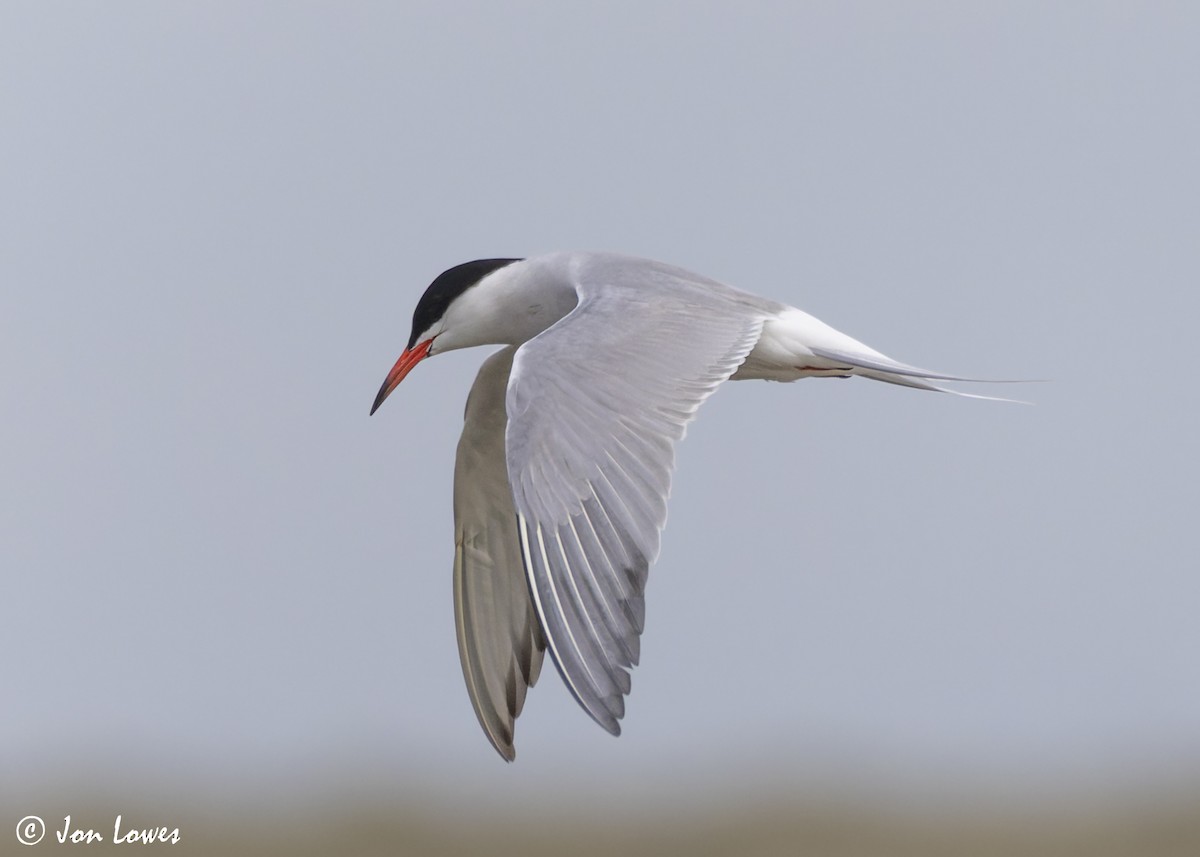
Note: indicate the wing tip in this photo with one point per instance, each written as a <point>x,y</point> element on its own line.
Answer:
<point>604,713</point>
<point>507,752</point>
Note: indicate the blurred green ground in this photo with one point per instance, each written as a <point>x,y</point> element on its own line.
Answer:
<point>1162,827</point>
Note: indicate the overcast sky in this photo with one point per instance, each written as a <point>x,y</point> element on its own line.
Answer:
<point>216,218</point>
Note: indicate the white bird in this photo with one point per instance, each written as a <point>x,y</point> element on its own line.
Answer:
<point>564,465</point>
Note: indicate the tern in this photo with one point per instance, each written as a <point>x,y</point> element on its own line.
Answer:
<point>564,465</point>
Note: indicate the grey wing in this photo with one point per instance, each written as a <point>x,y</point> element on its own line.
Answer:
<point>596,404</point>
<point>499,639</point>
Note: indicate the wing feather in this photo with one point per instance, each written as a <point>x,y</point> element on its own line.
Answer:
<point>499,638</point>
<point>596,404</point>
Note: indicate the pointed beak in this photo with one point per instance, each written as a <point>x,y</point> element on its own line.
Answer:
<point>404,365</point>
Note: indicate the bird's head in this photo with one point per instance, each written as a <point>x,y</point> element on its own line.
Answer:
<point>442,321</point>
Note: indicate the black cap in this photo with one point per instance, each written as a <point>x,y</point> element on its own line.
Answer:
<point>445,290</point>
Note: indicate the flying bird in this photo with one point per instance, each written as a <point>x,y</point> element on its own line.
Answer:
<point>564,464</point>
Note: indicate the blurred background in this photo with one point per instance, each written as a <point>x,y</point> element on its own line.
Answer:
<point>883,621</point>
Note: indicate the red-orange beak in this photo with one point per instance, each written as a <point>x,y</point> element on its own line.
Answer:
<point>404,365</point>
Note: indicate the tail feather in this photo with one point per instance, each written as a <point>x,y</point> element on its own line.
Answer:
<point>879,368</point>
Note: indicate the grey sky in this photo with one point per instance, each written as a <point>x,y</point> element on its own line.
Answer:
<point>215,222</point>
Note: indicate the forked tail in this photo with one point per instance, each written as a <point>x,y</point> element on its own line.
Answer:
<point>880,368</point>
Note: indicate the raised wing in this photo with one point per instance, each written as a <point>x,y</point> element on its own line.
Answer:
<point>499,639</point>
<point>595,406</point>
